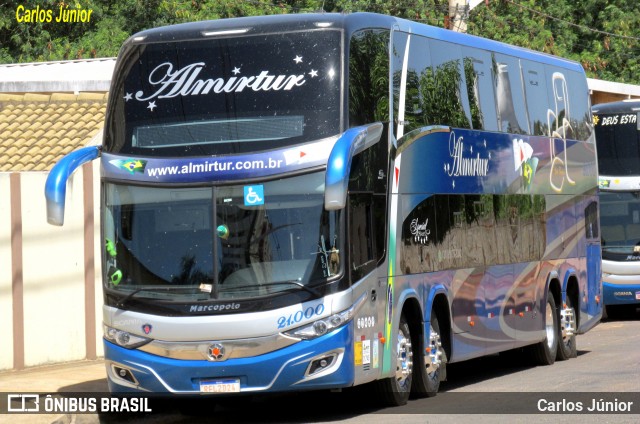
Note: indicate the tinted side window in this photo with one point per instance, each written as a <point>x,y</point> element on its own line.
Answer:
<point>445,86</point>
<point>400,40</point>
<point>520,227</point>
<point>591,226</point>
<point>435,89</point>
<point>367,224</point>
<point>559,106</point>
<point>535,88</point>
<point>508,83</point>
<point>226,95</point>
<point>452,223</point>
<point>361,245</point>
<point>478,230</point>
<point>581,109</point>
<point>460,231</point>
<point>415,92</point>
<point>482,99</point>
<point>618,144</point>
<point>369,77</point>
<point>420,241</point>
<point>569,104</point>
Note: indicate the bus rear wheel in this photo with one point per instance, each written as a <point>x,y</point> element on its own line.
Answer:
<point>544,353</point>
<point>395,390</point>
<point>431,367</point>
<point>567,337</point>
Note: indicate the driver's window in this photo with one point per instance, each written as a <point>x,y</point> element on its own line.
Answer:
<point>361,240</point>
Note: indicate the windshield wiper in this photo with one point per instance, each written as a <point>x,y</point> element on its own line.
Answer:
<point>128,297</point>
<point>276,283</point>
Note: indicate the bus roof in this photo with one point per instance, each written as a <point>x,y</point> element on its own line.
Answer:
<point>629,105</point>
<point>348,22</point>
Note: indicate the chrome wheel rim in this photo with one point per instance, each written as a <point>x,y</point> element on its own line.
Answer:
<point>434,357</point>
<point>549,327</point>
<point>404,366</point>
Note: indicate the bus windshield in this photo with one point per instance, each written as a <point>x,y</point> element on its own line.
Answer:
<point>229,242</point>
<point>226,95</point>
<point>620,222</point>
<point>618,141</point>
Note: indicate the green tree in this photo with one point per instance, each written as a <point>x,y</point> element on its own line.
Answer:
<point>603,36</point>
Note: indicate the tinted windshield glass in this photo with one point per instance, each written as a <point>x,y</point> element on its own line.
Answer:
<point>620,221</point>
<point>224,242</point>
<point>618,142</point>
<point>231,95</point>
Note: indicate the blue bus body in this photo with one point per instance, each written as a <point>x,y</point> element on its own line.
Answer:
<point>367,199</point>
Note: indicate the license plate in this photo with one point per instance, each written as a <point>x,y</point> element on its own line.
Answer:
<point>231,385</point>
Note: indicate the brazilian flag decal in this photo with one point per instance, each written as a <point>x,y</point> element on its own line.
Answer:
<point>131,165</point>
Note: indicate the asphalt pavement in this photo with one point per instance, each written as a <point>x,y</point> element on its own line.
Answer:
<point>78,377</point>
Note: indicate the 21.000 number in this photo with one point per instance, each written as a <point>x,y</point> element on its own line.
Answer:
<point>309,312</point>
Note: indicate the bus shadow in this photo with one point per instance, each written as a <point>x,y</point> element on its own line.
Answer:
<point>622,313</point>
<point>474,371</point>
<point>93,386</point>
<point>296,407</point>
<point>307,407</point>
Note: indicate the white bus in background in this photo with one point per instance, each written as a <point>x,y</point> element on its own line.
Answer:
<point>617,128</point>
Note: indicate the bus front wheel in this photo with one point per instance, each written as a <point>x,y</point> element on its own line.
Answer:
<point>395,390</point>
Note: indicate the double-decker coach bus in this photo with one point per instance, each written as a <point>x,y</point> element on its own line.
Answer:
<point>617,130</point>
<point>321,201</point>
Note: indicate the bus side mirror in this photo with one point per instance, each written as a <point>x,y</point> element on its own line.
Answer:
<point>55,188</point>
<point>352,142</point>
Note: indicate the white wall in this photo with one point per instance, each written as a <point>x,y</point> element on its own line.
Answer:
<point>98,258</point>
<point>53,274</point>
<point>6,307</point>
<point>53,266</point>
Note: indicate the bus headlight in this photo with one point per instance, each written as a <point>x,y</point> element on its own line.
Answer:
<point>123,338</point>
<point>326,325</point>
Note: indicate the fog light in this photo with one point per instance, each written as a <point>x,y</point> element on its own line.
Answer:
<point>320,364</point>
<point>124,374</point>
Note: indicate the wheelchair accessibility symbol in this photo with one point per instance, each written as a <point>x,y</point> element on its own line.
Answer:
<point>253,195</point>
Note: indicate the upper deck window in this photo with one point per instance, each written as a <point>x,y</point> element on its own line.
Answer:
<point>618,139</point>
<point>222,96</point>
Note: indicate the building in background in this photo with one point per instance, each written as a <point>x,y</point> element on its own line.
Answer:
<point>49,308</point>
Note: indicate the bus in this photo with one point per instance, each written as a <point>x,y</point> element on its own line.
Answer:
<point>617,130</point>
<point>319,201</point>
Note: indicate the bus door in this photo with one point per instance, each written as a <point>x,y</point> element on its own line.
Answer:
<point>594,262</point>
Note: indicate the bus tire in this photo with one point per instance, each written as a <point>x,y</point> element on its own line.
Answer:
<point>544,352</point>
<point>395,391</point>
<point>567,344</point>
<point>430,367</point>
